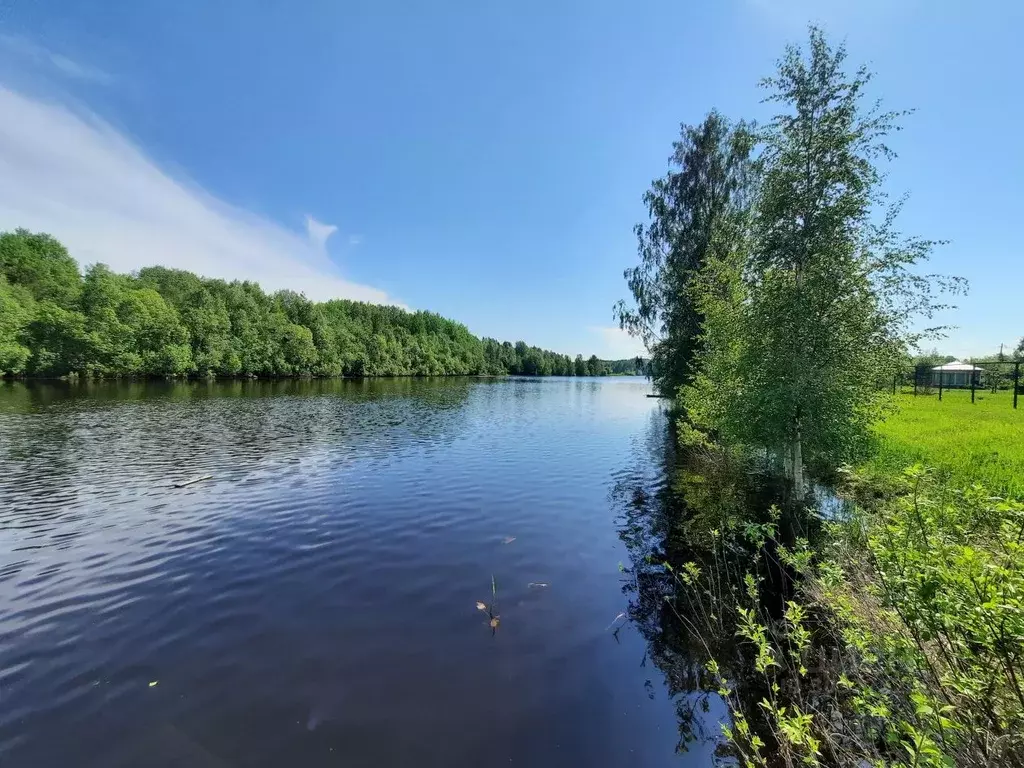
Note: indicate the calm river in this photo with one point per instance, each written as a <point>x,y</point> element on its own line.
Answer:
<point>314,602</point>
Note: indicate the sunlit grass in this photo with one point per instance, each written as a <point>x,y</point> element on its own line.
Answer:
<point>980,442</point>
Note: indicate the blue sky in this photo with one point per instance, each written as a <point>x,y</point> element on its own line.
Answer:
<point>483,160</point>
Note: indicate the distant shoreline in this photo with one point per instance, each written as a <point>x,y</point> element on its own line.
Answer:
<point>212,379</point>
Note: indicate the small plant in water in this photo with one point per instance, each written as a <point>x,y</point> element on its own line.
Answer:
<point>492,610</point>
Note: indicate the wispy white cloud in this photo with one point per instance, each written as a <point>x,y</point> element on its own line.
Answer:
<point>74,176</point>
<point>615,344</point>
<point>78,70</point>
<point>36,55</point>
<point>319,232</point>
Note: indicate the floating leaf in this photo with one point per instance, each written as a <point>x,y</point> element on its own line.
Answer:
<point>481,606</point>
<point>508,539</point>
<point>153,683</point>
<point>537,584</point>
<point>494,622</point>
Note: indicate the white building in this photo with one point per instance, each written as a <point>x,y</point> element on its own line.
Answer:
<point>956,374</point>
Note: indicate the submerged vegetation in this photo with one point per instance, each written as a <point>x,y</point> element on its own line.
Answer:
<point>167,322</point>
<point>890,638</point>
<point>777,299</point>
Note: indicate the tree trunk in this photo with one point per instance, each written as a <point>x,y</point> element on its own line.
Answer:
<point>798,469</point>
<point>796,464</point>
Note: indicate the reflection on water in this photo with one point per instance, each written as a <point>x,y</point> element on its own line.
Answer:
<point>705,509</point>
<point>314,603</point>
<point>653,526</point>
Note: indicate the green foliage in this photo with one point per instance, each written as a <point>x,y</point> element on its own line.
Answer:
<point>636,366</point>
<point>949,563</point>
<point>813,311</point>
<point>40,264</point>
<point>925,588</point>
<point>58,342</point>
<point>928,360</point>
<point>710,401</point>
<point>15,315</point>
<point>202,311</point>
<point>706,185</point>
<point>579,366</point>
<point>901,643</point>
<point>132,329</point>
<point>898,639</point>
<point>764,675</point>
<point>168,322</point>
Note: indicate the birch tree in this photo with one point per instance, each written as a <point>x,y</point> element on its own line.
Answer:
<point>708,179</point>
<point>829,292</point>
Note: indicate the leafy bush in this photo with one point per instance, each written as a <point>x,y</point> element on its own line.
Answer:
<point>901,641</point>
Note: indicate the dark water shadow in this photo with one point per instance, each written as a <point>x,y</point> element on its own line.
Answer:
<point>678,515</point>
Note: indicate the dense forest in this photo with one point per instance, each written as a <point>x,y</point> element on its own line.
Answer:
<point>167,322</point>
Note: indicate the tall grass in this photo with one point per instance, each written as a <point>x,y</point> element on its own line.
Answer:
<point>980,442</point>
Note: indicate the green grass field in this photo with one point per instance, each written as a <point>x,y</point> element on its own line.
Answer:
<point>980,442</point>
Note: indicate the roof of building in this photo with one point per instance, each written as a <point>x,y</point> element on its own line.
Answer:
<point>956,365</point>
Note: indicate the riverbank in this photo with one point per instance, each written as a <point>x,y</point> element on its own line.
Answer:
<point>303,377</point>
<point>254,377</point>
<point>921,592</point>
<point>894,636</point>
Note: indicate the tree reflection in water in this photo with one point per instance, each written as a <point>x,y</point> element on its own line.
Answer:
<point>675,514</point>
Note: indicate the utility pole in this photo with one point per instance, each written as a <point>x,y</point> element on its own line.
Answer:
<point>974,376</point>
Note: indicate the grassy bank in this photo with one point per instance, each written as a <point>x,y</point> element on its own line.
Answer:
<point>920,596</point>
<point>901,641</point>
<point>980,442</point>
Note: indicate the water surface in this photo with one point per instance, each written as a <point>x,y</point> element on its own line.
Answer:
<point>314,602</point>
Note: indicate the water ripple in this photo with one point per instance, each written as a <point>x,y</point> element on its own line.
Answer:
<point>326,573</point>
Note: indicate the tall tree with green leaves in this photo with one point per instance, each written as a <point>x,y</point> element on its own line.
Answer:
<point>16,308</point>
<point>40,263</point>
<point>708,181</point>
<point>822,305</point>
<point>202,313</point>
<point>579,366</point>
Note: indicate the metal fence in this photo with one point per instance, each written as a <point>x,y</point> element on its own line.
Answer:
<point>993,376</point>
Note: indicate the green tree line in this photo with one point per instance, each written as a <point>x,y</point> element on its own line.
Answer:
<point>55,321</point>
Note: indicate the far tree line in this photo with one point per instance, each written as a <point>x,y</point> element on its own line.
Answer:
<point>55,322</point>
<point>936,357</point>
